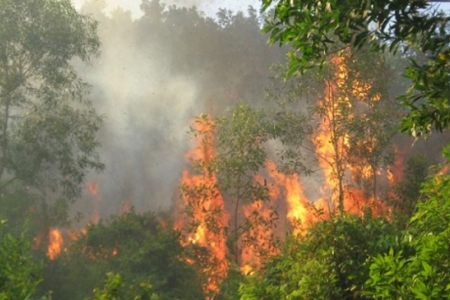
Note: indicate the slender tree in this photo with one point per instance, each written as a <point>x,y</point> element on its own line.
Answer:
<point>47,124</point>
<point>316,29</point>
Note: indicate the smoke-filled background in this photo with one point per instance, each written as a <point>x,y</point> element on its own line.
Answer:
<point>162,64</point>
<point>156,72</point>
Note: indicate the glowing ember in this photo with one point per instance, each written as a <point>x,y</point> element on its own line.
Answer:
<point>398,167</point>
<point>126,207</point>
<point>36,243</point>
<point>55,243</point>
<point>95,218</point>
<point>390,175</point>
<point>73,235</point>
<point>93,189</point>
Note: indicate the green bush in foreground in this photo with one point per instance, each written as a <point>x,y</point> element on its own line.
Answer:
<point>19,274</point>
<point>422,272</point>
<point>330,262</point>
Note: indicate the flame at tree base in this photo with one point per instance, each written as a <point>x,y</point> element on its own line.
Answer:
<point>205,219</point>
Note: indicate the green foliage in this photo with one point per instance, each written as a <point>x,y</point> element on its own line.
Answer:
<point>19,274</point>
<point>19,208</point>
<point>240,143</point>
<point>241,156</point>
<point>386,278</point>
<point>293,276</point>
<point>135,246</point>
<point>405,194</point>
<point>229,288</point>
<point>113,289</point>
<point>315,29</point>
<point>330,262</point>
<point>421,272</point>
<point>47,126</point>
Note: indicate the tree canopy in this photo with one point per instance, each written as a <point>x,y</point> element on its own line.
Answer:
<point>47,124</point>
<point>316,29</point>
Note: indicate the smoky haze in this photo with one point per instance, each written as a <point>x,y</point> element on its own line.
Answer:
<point>154,75</point>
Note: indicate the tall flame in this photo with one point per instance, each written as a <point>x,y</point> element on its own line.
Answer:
<point>299,211</point>
<point>329,141</point>
<point>205,226</point>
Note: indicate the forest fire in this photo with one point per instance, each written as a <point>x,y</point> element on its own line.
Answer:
<point>329,140</point>
<point>93,189</point>
<point>293,189</point>
<point>57,238</point>
<point>259,236</point>
<point>202,216</point>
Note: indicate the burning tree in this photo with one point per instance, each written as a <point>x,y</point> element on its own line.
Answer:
<point>350,127</point>
<point>227,184</point>
<point>400,25</point>
<point>206,219</point>
<point>356,129</point>
<point>241,159</point>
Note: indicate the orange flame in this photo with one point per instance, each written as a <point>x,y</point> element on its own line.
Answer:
<point>257,241</point>
<point>299,209</point>
<point>93,189</point>
<point>55,243</point>
<point>204,203</point>
<point>398,167</point>
<point>331,143</point>
<point>209,219</point>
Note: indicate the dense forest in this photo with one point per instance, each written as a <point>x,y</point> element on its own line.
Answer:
<point>181,155</point>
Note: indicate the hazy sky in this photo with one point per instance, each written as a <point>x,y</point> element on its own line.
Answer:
<point>208,6</point>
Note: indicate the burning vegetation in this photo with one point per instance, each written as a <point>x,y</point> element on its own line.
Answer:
<point>242,198</point>
<point>205,218</point>
<point>352,176</point>
<point>299,196</point>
